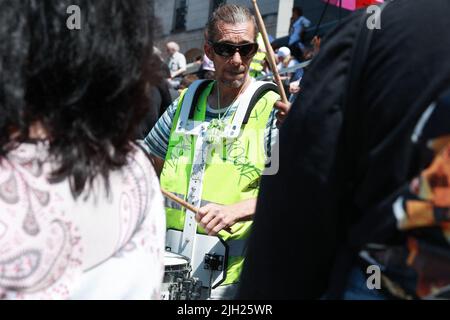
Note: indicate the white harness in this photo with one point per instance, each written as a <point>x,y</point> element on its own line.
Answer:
<point>188,243</point>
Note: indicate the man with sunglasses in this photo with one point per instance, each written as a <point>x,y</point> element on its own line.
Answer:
<point>235,117</point>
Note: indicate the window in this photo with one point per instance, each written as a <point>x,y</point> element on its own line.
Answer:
<point>180,15</point>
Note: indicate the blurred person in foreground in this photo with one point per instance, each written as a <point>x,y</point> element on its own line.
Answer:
<point>364,168</point>
<point>81,211</point>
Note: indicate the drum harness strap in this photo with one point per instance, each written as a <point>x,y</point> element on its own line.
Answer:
<point>186,126</point>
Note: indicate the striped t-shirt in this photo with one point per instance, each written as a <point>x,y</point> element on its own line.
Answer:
<point>156,142</point>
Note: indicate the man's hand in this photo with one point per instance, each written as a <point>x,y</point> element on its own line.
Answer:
<point>294,87</point>
<point>283,110</point>
<point>214,217</point>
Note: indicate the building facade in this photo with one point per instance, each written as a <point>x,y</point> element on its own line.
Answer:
<point>183,21</point>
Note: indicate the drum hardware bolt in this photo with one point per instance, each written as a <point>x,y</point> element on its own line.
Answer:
<point>213,262</point>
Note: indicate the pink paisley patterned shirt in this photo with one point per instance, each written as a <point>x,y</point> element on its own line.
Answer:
<point>99,246</point>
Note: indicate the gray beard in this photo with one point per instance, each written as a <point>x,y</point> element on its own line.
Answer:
<point>235,84</point>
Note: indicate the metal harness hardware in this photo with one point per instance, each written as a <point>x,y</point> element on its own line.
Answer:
<point>213,262</point>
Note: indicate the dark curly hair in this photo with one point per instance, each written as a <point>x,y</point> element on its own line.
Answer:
<point>87,87</point>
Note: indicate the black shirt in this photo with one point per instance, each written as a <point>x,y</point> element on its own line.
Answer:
<point>304,212</point>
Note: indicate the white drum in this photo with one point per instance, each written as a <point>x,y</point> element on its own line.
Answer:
<point>178,284</point>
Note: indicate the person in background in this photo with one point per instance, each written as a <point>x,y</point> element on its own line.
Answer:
<point>285,61</point>
<point>310,53</point>
<point>314,49</point>
<point>81,211</point>
<point>187,81</point>
<point>160,93</point>
<point>158,59</point>
<point>198,60</point>
<point>176,62</point>
<point>165,71</point>
<point>257,65</point>
<point>207,70</point>
<point>294,90</point>
<point>299,24</point>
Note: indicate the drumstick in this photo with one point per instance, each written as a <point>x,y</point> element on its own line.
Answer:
<point>186,205</point>
<point>270,53</point>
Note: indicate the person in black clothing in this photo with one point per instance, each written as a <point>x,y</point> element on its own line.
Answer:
<point>160,95</point>
<point>349,161</point>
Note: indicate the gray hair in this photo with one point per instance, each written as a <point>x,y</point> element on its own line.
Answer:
<point>173,45</point>
<point>229,14</point>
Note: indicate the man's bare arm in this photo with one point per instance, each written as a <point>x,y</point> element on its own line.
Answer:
<point>179,72</point>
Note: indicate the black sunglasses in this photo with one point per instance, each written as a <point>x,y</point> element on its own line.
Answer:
<point>228,50</point>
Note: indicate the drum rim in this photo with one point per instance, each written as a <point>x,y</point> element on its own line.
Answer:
<point>177,255</point>
<point>180,262</point>
<point>177,267</point>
